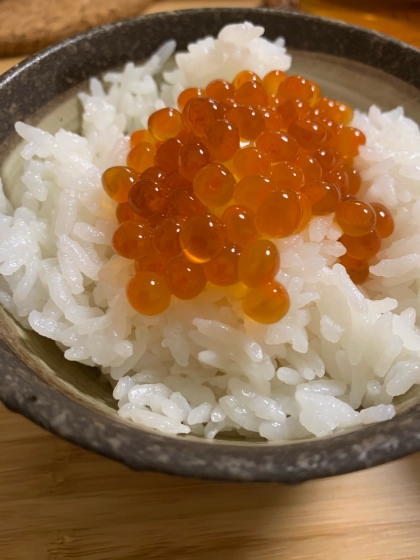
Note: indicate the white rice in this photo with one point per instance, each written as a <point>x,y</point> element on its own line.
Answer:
<point>335,361</point>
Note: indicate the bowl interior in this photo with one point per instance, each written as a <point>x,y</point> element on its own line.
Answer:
<point>352,82</point>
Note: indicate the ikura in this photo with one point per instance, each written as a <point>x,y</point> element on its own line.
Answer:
<point>208,187</point>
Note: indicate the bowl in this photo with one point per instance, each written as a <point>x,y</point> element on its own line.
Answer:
<point>73,401</point>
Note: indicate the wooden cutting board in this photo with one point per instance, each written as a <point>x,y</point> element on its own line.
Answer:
<point>59,502</point>
<point>26,26</point>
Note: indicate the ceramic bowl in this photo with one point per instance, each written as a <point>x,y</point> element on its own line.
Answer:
<point>73,401</point>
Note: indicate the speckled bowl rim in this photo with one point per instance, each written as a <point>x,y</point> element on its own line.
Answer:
<point>23,391</point>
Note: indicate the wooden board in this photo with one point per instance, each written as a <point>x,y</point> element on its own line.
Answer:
<point>59,502</point>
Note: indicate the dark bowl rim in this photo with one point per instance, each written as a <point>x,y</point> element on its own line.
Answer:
<point>23,391</point>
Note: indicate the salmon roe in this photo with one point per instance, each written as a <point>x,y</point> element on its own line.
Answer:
<point>277,146</point>
<point>384,220</point>
<point>202,238</point>
<point>250,161</point>
<point>214,185</point>
<point>249,121</point>
<point>223,269</point>
<point>222,137</point>
<point>185,279</point>
<point>148,293</point>
<point>207,188</point>
<point>363,247</point>
<point>220,90</point>
<point>259,263</point>
<point>297,87</point>
<point>192,157</point>
<point>141,157</point>
<point>272,80</point>
<point>251,93</point>
<point>187,95</point>
<point>287,176</point>
<point>167,154</point>
<point>355,217</point>
<point>132,240</point>
<point>266,304</point>
<point>203,111</point>
<point>140,136</point>
<point>252,190</point>
<point>279,214</point>
<point>322,196</point>
<point>165,123</point>
<point>148,197</point>
<point>240,225</point>
<point>357,270</point>
<point>118,181</point>
<point>245,76</point>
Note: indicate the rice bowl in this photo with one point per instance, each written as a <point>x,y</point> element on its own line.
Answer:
<point>212,332</point>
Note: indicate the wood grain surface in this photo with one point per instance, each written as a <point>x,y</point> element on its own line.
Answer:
<point>59,502</point>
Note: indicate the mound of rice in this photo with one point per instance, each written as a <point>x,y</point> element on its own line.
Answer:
<point>336,360</point>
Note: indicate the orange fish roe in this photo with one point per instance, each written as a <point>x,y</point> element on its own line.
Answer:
<point>251,93</point>
<point>148,293</point>
<point>240,225</point>
<point>141,157</point>
<point>311,169</point>
<point>252,190</point>
<point>293,109</point>
<point>250,161</point>
<point>329,159</point>
<point>183,204</point>
<point>245,76</point>
<point>177,181</point>
<point>148,197</point>
<point>272,80</point>
<point>152,263</point>
<point>266,156</point>
<point>220,90</point>
<point>266,304</point>
<point>125,213</point>
<point>202,238</point>
<point>250,122</point>
<point>310,135</point>
<point>259,263</point>
<point>335,111</point>
<point>165,123</point>
<point>348,140</point>
<point>287,176</point>
<point>353,177</point>
<point>192,157</point>
<point>279,214</point>
<point>202,112</point>
<point>322,196</point>
<point>214,185</point>
<point>132,240</point>
<point>355,217</point>
<point>166,238</point>
<point>140,136</point>
<point>277,146</point>
<point>167,154</point>
<point>273,119</point>
<point>185,279</point>
<point>223,269</point>
<point>296,87</point>
<point>364,247</point>
<point>118,181</point>
<point>222,137</point>
<point>156,173</point>
<point>187,95</point>
<point>357,270</point>
<point>384,220</point>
